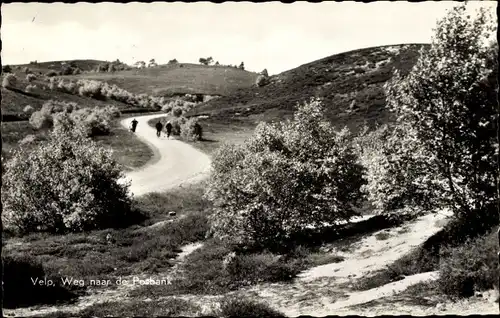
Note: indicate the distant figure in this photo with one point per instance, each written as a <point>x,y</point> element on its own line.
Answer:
<point>168,126</point>
<point>159,127</point>
<point>134,125</point>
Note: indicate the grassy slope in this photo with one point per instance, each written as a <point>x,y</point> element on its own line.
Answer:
<point>350,83</point>
<point>44,67</point>
<point>168,80</point>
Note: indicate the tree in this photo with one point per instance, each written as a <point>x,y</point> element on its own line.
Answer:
<point>209,60</point>
<point>242,66</point>
<point>264,72</point>
<point>140,64</point>
<point>203,61</point>
<point>285,178</point>
<point>174,61</point>
<point>217,63</point>
<point>449,99</point>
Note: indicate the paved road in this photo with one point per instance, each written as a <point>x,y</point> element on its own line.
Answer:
<point>174,162</point>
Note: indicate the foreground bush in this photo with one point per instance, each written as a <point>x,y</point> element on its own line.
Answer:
<point>67,184</point>
<point>287,177</point>
<point>30,77</point>
<point>470,267</point>
<point>9,81</point>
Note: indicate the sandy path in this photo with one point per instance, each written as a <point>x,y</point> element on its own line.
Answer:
<point>174,162</point>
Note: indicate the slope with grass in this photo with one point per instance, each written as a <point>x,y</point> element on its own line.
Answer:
<point>177,79</point>
<point>350,83</point>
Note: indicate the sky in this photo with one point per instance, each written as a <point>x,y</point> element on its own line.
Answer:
<point>269,35</point>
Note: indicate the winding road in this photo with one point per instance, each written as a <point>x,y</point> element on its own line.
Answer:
<point>174,162</point>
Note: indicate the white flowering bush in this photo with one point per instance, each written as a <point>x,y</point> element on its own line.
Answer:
<point>67,184</point>
<point>262,80</point>
<point>191,130</point>
<point>286,177</point>
<point>448,102</point>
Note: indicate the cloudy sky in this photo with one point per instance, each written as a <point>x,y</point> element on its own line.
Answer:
<point>269,35</point>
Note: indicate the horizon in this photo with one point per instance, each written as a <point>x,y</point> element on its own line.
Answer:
<point>33,31</point>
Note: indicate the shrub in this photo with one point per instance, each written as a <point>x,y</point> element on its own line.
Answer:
<point>30,77</point>
<point>177,111</point>
<point>470,267</point>
<point>238,307</point>
<point>262,80</point>
<point>67,184</point>
<point>452,108</point>
<point>9,81</point>
<point>26,70</point>
<point>177,123</point>
<point>6,69</point>
<point>41,120</point>
<point>77,71</point>
<point>264,72</point>
<point>285,178</point>
<point>30,88</point>
<point>51,73</point>
<point>191,130</point>
<point>28,109</point>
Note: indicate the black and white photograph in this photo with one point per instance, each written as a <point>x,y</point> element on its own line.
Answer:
<point>250,159</point>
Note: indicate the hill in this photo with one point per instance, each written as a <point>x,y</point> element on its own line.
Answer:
<point>177,79</point>
<point>44,67</point>
<point>350,83</point>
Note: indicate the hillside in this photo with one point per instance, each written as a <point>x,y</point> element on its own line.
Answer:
<point>168,80</point>
<point>350,83</point>
<point>44,67</point>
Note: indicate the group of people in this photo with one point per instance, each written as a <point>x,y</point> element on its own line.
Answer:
<point>159,127</point>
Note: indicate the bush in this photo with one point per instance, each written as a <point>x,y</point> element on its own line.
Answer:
<point>177,123</point>
<point>264,72</point>
<point>238,307</point>
<point>6,69</point>
<point>177,111</point>
<point>41,119</point>
<point>28,109</point>
<point>9,81</point>
<point>30,77</point>
<point>262,80</point>
<point>285,178</point>
<point>30,88</point>
<point>67,184</point>
<point>470,267</point>
<point>191,130</point>
<point>51,73</point>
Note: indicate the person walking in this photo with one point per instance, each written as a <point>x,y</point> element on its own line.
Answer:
<point>159,127</point>
<point>133,125</point>
<point>168,127</point>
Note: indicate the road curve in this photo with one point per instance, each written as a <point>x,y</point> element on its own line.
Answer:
<point>174,162</point>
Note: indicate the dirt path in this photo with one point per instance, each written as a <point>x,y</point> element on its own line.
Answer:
<point>174,163</point>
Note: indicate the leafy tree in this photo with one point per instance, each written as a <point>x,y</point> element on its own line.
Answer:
<point>448,104</point>
<point>209,60</point>
<point>174,61</point>
<point>287,177</point>
<point>203,61</point>
<point>242,66</point>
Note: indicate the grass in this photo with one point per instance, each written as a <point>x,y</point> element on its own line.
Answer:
<point>172,80</point>
<point>350,98</point>
<point>128,150</point>
<point>204,271</point>
<point>139,308</point>
<point>237,307</point>
<point>133,250</point>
